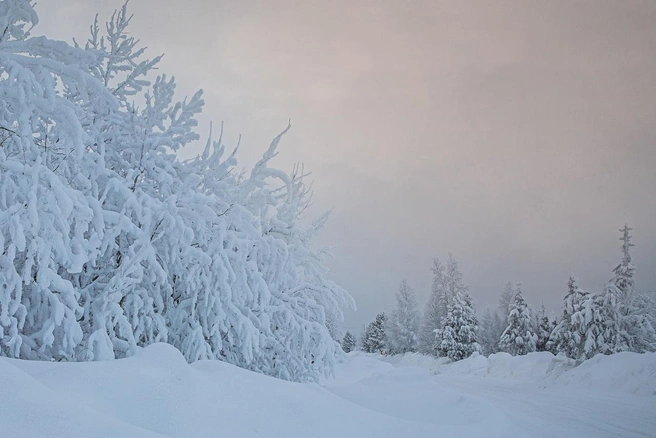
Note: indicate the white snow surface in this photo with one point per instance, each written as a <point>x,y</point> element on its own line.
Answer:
<point>156,393</point>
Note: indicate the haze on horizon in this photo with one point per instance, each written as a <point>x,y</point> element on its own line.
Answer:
<point>519,136</point>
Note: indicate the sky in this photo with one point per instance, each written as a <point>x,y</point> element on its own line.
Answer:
<point>519,136</point>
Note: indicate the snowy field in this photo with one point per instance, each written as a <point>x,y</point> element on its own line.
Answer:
<point>156,393</point>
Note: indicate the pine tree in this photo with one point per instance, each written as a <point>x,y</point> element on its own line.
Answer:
<point>544,328</point>
<point>518,338</point>
<point>403,325</point>
<point>569,336</point>
<point>634,320</point>
<point>594,328</point>
<point>459,332</point>
<point>490,332</point>
<point>640,323</point>
<point>434,311</point>
<point>613,337</point>
<point>505,300</point>
<point>374,339</point>
<point>590,321</point>
<point>449,283</point>
<point>348,342</point>
<point>624,272</point>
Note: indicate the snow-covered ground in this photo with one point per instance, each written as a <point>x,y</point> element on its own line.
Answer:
<point>156,393</point>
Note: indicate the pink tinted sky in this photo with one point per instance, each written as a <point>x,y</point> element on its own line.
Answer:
<point>519,135</point>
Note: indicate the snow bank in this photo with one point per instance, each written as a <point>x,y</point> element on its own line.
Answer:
<point>409,393</point>
<point>537,395</point>
<point>628,373</point>
<point>156,393</point>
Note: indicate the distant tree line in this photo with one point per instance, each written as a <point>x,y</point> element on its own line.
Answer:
<point>614,320</point>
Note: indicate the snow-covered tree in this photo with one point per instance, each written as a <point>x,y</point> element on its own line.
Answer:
<point>590,324</point>
<point>624,272</point>
<point>544,328</point>
<point>505,300</point>
<point>51,223</point>
<point>110,243</point>
<point>374,339</point>
<point>459,333</point>
<point>610,322</point>
<point>648,305</point>
<point>147,241</point>
<point>569,336</point>
<point>640,323</point>
<point>490,332</point>
<point>518,338</point>
<point>403,324</point>
<point>613,337</point>
<point>634,318</point>
<point>447,282</point>
<point>453,278</point>
<point>434,311</point>
<point>348,342</point>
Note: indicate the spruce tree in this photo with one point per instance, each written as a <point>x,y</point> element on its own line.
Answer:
<point>452,284</point>
<point>490,332</point>
<point>518,338</point>
<point>569,335</point>
<point>614,337</point>
<point>544,328</point>
<point>505,300</point>
<point>590,320</point>
<point>348,342</point>
<point>374,339</point>
<point>434,311</point>
<point>634,318</point>
<point>624,272</point>
<point>641,322</point>
<point>403,325</point>
<point>459,332</point>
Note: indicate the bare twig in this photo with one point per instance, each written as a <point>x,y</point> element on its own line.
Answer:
<point>2,128</point>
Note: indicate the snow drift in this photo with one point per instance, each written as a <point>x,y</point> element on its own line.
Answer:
<point>626,373</point>
<point>156,393</point>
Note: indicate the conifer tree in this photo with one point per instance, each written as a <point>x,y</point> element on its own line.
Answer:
<point>348,342</point>
<point>624,272</point>
<point>434,311</point>
<point>449,283</point>
<point>374,339</point>
<point>505,300</point>
<point>592,321</point>
<point>403,325</point>
<point>490,332</point>
<point>459,332</point>
<point>607,311</point>
<point>634,319</point>
<point>640,323</point>
<point>518,338</point>
<point>569,336</point>
<point>544,328</point>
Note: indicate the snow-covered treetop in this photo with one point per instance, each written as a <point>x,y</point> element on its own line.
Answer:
<point>17,17</point>
<point>626,243</point>
<point>625,271</point>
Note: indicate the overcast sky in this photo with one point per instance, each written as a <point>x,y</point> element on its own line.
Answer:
<point>519,135</point>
